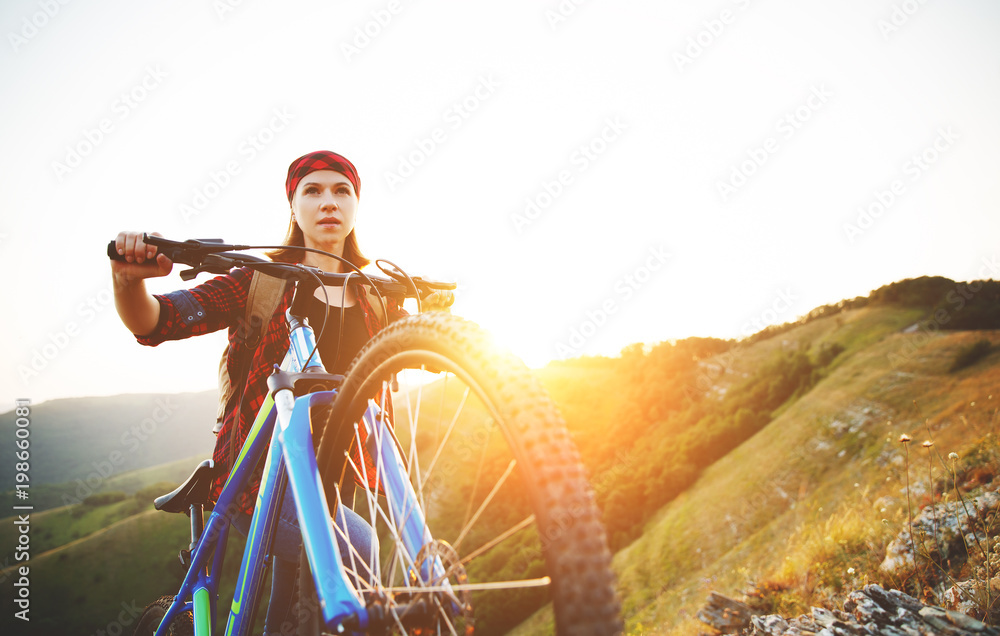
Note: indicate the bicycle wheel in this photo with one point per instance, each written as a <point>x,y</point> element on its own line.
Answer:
<point>151,617</point>
<point>506,520</point>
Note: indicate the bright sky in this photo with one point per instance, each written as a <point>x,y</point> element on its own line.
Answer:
<point>591,173</point>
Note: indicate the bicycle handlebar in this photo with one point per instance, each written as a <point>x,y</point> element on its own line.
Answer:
<point>216,257</point>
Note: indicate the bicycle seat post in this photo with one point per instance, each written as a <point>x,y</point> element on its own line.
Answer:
<point>197,514</point>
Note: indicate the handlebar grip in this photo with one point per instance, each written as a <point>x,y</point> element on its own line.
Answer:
<point>113,252</point>
<point>115,256</point>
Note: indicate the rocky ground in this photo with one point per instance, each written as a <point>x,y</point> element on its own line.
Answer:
<point>867,612</point>
<point>946,532</point>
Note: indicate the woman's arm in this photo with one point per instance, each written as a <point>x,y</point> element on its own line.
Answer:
<point>138,310</point>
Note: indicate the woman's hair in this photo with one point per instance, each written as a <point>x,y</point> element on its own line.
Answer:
<point>295,238</point>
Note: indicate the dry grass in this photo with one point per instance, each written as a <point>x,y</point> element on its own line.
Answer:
<point>804,509</point>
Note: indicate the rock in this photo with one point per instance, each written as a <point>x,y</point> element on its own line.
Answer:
<point>769,625</point>
<point>724,614</point>
<point>873,611</point>
<point>959,597</point>
<point>940,529</point>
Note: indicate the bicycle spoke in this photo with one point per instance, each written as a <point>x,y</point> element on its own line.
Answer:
<point>371,499</point>
<point>479,474</point>
<point>444,616</point>
<point>447,435</point>
<point>378,433</point>
<point>476,587</point>
<point>390,520</point>
<point>377,511</point>
<point>397,540</point>
<point>398,561</point>
<point>423,479</point>
<point>414,415</point>
<point>486,502</point>
<point>399,624</point>
<point>489,545</point>
<point>352,551</point>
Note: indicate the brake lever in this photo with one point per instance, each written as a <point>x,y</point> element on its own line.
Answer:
<point>190,274</point>
<point>211,263</point>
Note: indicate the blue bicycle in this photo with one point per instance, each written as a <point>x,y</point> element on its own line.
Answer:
<point>477,504</point>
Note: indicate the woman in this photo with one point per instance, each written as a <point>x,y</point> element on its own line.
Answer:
<point>323,190</point>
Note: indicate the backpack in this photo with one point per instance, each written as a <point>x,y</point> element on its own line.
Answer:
<point>263,299</point>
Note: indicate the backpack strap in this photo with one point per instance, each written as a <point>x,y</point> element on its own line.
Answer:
<point>262,301</point>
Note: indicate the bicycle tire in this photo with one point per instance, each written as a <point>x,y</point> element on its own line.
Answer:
<point>152,616</point>
<point>567,544</point>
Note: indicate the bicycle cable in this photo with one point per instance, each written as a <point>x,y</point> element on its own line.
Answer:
<point>371,283</point>
<point>326,297</point>
<point>401,272</point>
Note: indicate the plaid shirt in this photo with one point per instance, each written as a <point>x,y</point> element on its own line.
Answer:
<point>221,303</point>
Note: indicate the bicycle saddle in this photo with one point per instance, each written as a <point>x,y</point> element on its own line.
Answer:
<point>192,492</point>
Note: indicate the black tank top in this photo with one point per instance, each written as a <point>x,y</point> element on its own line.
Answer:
<point>337,356</point>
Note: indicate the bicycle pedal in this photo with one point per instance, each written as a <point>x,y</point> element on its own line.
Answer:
<point>185,557</point>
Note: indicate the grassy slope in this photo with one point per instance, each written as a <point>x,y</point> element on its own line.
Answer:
<point>135,480</point>
<point>786,500</point>
<point>92,439</point>
<point>84,585</point>
<point>804,491</point>
<point>54,527</point>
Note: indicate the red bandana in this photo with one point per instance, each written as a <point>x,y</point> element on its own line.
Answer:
<point>320,160</point>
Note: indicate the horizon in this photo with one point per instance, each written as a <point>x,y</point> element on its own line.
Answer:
<point>801,319</point>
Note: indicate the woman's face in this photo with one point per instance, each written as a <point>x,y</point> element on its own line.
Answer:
<point>325,207</point>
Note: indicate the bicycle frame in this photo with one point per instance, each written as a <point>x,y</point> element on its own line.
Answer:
<point>284,421</point>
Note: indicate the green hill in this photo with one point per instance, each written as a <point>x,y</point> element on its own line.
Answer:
<point>770,462</point>
<point>81,446</point>
<point>777,457</point>
<point>94,565</point>
<point>799,507</point>
<point>123,496</point>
